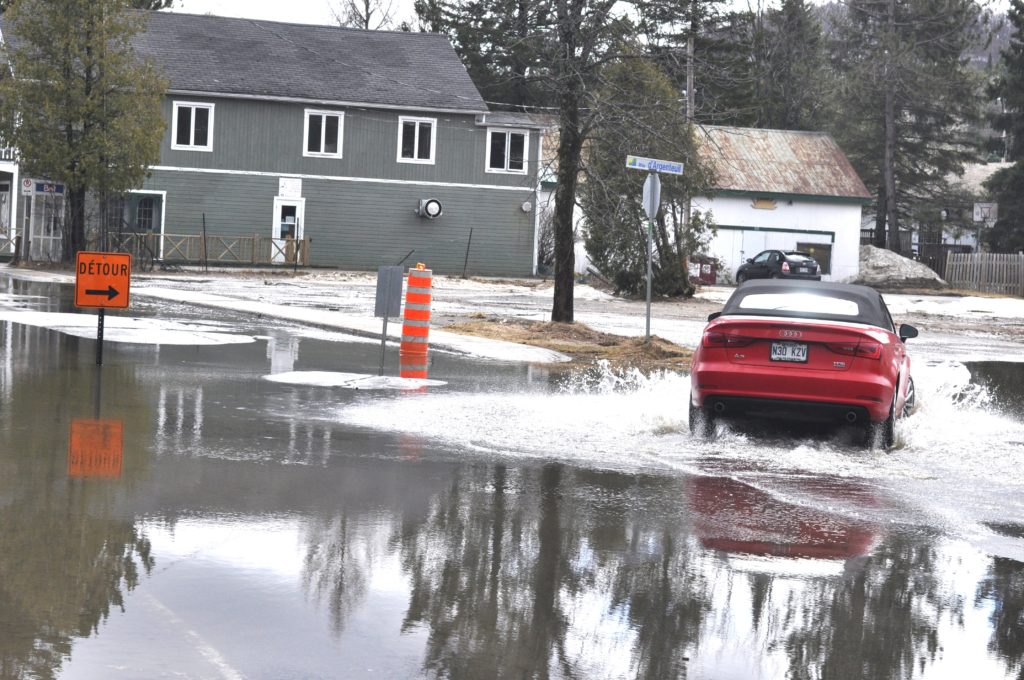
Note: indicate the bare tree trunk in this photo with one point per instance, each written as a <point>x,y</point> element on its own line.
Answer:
<point>889,173</point>
<point>569,149</point>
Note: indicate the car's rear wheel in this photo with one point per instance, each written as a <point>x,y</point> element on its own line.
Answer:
<point>702,423</point>
<point>884,433</point>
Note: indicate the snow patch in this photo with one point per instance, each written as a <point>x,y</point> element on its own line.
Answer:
<point>354,381</point>
<point>881,267</point>
<point>126,329</point>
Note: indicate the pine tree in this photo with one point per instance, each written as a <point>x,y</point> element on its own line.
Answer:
<point>641,115</point>
<point>82,109</point>
<point>1008,185</point>
<point>904,99</point>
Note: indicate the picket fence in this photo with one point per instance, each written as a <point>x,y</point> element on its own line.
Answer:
<point>986,272</point>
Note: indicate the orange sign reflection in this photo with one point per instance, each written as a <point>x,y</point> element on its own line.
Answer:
<point>96,448</point>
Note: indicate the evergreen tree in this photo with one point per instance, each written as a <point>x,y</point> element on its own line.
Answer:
<point>641,115</point>
<point>81,109</point>
<point>1008,185</point>
<point>904,99</point>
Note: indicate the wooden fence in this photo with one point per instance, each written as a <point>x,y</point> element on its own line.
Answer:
<point>987,272</point>
<point>148,249</point>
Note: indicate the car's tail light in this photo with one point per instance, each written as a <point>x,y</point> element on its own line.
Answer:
<point>720,339</point>
<point>868,350</point>
<point>785,267</point>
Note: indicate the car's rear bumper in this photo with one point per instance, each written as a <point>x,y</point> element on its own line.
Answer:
<point>802,277</point>
<point>786,409</point>
<point>804,395</point>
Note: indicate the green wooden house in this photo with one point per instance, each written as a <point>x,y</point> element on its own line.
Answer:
<point>334,147</point>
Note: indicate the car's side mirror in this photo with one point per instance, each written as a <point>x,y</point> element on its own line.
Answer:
<point>750,260</point>
<point>714,315</point>
<point>907,331</point>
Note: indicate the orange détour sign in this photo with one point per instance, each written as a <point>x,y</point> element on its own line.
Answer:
<point>102,280</point>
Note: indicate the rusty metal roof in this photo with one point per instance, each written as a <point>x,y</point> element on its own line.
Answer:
<point>779,162</point>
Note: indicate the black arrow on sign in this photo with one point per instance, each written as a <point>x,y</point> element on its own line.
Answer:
<point>110,292</point>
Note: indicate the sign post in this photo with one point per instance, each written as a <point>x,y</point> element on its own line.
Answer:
<point>388,302</point>
<point>652,201</point>
<point>102,281</point>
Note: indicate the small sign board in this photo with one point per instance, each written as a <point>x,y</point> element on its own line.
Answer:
<point>289,187</point>
<point>27,187</point>
<point>96,448</point>
<point>389,292</point>
<point>102,280</point>
<point>654,165</point>
<point>652,195</point>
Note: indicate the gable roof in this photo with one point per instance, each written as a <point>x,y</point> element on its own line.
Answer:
<point>785,162</point>
<point>223,56</point>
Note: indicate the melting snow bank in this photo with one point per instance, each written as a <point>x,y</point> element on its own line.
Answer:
<point>355,381</point>
<point>126,329</point>
<point>884,268</point>
<point>483,348</point>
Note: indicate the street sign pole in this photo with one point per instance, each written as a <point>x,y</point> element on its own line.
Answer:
<point>99,337</point>
<point>652,201</point>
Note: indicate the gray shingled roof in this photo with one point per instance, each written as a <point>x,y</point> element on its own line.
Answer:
<point>780,162</point>
<point>246,57</point>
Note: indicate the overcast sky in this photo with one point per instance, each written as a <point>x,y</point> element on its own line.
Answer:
<point>298,11</point>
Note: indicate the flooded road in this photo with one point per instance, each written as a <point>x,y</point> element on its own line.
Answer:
<point>177,514</point>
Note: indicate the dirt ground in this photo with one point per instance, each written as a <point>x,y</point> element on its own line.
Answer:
<point>583,344</point>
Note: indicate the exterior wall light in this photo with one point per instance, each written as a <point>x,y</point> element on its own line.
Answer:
<point>429,208</point>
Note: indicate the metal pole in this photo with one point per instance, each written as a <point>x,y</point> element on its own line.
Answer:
<point>650,238</point>
<point>384,331</point>
<point>99,338</point>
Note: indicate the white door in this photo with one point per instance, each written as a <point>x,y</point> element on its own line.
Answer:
<point>46,233</point>
<point>287,229</point>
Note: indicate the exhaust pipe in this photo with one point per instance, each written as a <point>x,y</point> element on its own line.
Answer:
<point>719,407</point>
<point>851,416</point>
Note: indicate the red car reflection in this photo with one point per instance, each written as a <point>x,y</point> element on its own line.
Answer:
<point>803,350</point>
<point>737,518</point>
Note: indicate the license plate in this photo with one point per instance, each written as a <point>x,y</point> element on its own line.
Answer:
<point>789,351</point>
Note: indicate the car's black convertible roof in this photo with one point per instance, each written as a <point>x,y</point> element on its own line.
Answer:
<point>870,308</point>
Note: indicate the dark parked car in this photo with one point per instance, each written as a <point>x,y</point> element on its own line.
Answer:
<point>779,264</point>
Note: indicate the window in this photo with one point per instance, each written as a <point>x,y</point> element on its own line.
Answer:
<point>192,127</point>
<point>144,215</point>
<point>323,133</point>
<point>506,151</point>
<point>416,139</point>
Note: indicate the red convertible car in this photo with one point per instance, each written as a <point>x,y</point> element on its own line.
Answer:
<point>803,350</point>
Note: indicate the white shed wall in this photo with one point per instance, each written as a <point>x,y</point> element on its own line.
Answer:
<point>745,231</point>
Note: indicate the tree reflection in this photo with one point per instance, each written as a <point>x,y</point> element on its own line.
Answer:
<point>1004,587</point>
<point>65,560</point>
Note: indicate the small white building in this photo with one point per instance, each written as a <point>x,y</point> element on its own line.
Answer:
<point>785,190</point>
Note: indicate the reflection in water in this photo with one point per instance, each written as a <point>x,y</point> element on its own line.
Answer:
<point>1003,591</point>
<point>65,557</point>
<point>1005,381</point>
<point>498,567</point>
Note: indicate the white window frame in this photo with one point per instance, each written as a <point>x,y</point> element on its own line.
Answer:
<point>508,132</point>
<point>402,120</point>
<point>174,127</point>
<point>340,115</point>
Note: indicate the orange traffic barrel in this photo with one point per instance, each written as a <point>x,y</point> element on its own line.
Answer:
<point>412,355</point>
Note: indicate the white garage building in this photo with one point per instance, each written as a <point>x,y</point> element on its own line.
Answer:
<point>783,190</point>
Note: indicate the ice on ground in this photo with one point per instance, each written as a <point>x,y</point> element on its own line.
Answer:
<point>126,329</point>
<point>355,381</point>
